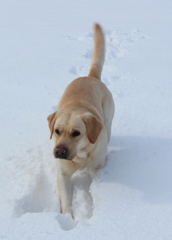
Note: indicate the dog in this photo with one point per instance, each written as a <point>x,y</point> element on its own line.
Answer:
<point>81,126</point>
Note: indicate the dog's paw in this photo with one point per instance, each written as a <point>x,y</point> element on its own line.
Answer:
<point>66,221</point>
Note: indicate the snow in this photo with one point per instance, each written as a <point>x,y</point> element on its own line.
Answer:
<point>44,46</point>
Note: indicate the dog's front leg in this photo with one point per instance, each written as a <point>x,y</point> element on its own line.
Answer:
<point>66,168</point>
<point>65,192</point>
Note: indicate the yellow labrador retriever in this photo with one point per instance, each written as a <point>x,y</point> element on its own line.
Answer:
<point>81,126</point>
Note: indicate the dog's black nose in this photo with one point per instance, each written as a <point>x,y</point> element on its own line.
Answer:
<point>61,152</point>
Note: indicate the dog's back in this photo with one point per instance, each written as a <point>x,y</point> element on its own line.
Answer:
<point>82,91</point>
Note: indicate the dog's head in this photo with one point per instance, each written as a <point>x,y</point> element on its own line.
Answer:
<point>73,131</point>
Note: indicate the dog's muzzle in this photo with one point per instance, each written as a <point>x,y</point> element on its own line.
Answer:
<point>61,152</point>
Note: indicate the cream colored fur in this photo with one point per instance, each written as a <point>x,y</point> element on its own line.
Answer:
<point>86,107</point>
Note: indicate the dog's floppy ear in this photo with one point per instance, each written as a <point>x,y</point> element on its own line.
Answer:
<point>51,121</point>
<point>93,126</point>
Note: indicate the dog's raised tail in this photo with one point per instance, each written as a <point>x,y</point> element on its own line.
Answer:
<point>98,53</point>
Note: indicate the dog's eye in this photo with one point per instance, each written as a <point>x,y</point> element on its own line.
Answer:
<point>75,133</point>
<point>57,131</point>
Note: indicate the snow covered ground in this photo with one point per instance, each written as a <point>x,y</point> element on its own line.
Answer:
<point>44,45</point>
